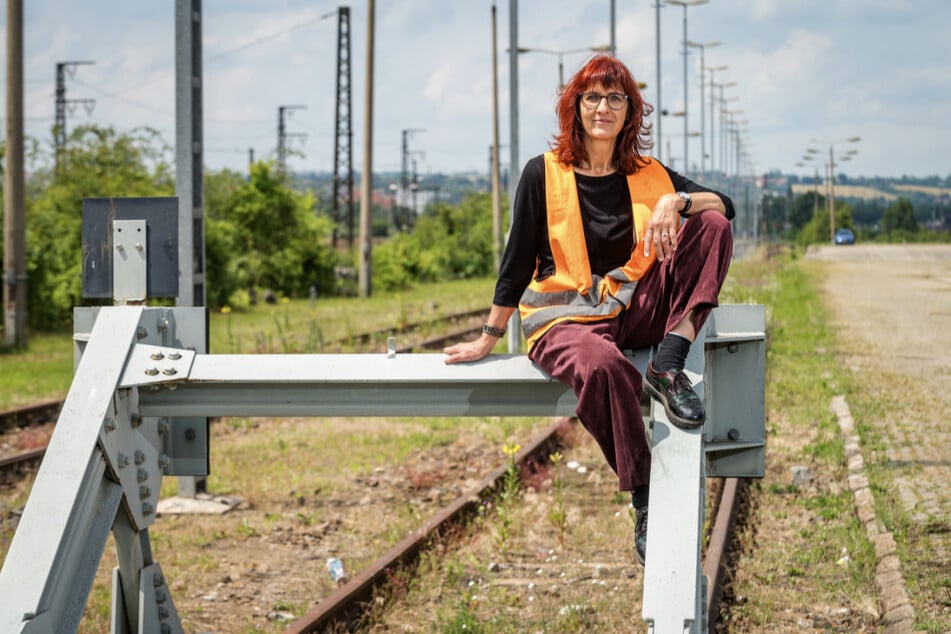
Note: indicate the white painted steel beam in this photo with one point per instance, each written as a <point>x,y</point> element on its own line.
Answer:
<point>56,549</point>
<point>359,385</point>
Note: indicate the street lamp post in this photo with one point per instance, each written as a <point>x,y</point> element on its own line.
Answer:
<point>713,100</point>
<point>561,54</point>
<point>703,147</point>
<point>831,144</point>
<point>723,101</point>
<point>685,4</point>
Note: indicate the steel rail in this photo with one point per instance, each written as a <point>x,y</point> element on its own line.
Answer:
<point>343,605</point>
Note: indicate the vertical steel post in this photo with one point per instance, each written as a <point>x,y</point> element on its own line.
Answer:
<point>514,327</point>
<point>366,183</point>
<point>189,175</point>
<point>497,243</point>
<point>13,278</point>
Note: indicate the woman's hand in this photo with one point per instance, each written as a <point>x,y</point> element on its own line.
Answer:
<point>662,227</point>
<point>470,350</point>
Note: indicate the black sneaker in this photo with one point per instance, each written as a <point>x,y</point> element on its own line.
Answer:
<point>640,534</point>
<point>675,392</point>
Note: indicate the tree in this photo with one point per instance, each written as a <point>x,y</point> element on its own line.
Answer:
<point>899,217</point>
<point>263,235</point>
<point>447,242</point>
<point>98,162</point>
<point>801,210</point>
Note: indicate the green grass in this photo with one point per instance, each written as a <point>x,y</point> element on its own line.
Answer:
<point>44,370</point>
<point>803,374</point>
<point>41,372</point>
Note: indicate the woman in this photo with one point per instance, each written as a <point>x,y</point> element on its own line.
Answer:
<point>598,261</point>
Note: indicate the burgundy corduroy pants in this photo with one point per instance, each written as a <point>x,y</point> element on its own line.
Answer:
<point>588,358</point>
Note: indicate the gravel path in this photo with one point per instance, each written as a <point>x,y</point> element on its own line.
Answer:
<point>892,306</point>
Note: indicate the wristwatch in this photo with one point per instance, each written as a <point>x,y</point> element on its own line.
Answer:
<point>492,331</point>
<point>687,202</point>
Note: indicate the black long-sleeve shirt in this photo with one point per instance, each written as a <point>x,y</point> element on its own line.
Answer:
<point>605,203</point>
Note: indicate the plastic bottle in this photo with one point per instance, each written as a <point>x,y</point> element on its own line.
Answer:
<point>337,573</point>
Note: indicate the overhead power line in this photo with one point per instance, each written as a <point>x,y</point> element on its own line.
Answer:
<point>268,37</point>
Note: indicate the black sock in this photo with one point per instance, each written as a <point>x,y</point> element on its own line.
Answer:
<point>640,496</point>
<point>672,353</point>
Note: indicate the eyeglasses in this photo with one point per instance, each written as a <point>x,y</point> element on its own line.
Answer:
<point>592,100</point>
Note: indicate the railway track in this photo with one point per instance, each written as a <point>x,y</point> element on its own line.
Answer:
<point>45,413</point>
<point>345,607</point>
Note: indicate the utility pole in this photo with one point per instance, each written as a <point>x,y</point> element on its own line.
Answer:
<point>514,327</point>
<point>14,225</point>
<point>62,103</point>
<point>343,131</point>
<point>366,181</point>
<point>494,162</point>
<point>658,116</point>
<point>613,29</point>
<point>283,137</point>
<point>405,182</point>
<point>189,176</point>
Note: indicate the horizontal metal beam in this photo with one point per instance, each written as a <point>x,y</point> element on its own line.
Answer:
<point>358,385</point>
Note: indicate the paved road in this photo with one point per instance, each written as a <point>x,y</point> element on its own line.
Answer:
<point>892,306</point>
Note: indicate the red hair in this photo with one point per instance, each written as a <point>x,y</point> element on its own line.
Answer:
<point>568,144</point>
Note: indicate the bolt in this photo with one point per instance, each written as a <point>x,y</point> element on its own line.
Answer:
<point>138,246</point>
<point>166,628</point>
<point>733,434</point>
<point>163,461</point>
<point>162,612</point>
<point>110,424</point>
<point>190,434</point>
<point>157,356</point>
<point>169,371</point>
<point>145,492</point>
<point>160,597</point>
<point>733,348</point>
<point>162,325</point>
<point>174,356</point>
<point>120,248</point>
<point>163,427</point>
<point>147,508</point>
<point>151,371</point>
<point>123,460</point>
<point>141,333</point>
<point>135,419</point>
<point>158,580</point>
<point>139,457</point>
<point>141,475</point>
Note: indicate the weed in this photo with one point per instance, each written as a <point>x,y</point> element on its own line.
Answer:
<point>284,605</point>
<point>462,620</point>
<point>557,515</point>
<point>508,499</point>
<point>245,529</point>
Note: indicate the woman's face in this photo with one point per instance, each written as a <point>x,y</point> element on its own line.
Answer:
<point>601,121</point>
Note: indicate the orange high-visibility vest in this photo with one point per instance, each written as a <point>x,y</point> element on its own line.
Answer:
<point>573,293</point>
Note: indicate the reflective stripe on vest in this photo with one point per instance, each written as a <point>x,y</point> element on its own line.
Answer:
<point>573,293</point>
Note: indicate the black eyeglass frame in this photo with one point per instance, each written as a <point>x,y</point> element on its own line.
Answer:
<point>619,97</point>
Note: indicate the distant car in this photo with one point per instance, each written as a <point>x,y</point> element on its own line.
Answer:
<point>844,236</point>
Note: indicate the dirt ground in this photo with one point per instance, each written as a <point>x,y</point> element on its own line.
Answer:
<point>253,569</point>
<point>892,306</point>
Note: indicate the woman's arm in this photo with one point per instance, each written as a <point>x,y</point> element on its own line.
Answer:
<point>478,349</point>
<point>703,197</point>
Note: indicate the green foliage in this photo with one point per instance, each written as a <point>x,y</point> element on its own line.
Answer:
<point>899,217</point>
<point>802,209</point>
<point>446,243</point>
<point>261,234</point>
<point>98,162</point>
<point>818,231</point>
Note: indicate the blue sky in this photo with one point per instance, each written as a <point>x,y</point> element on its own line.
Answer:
<point>805,70</point>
